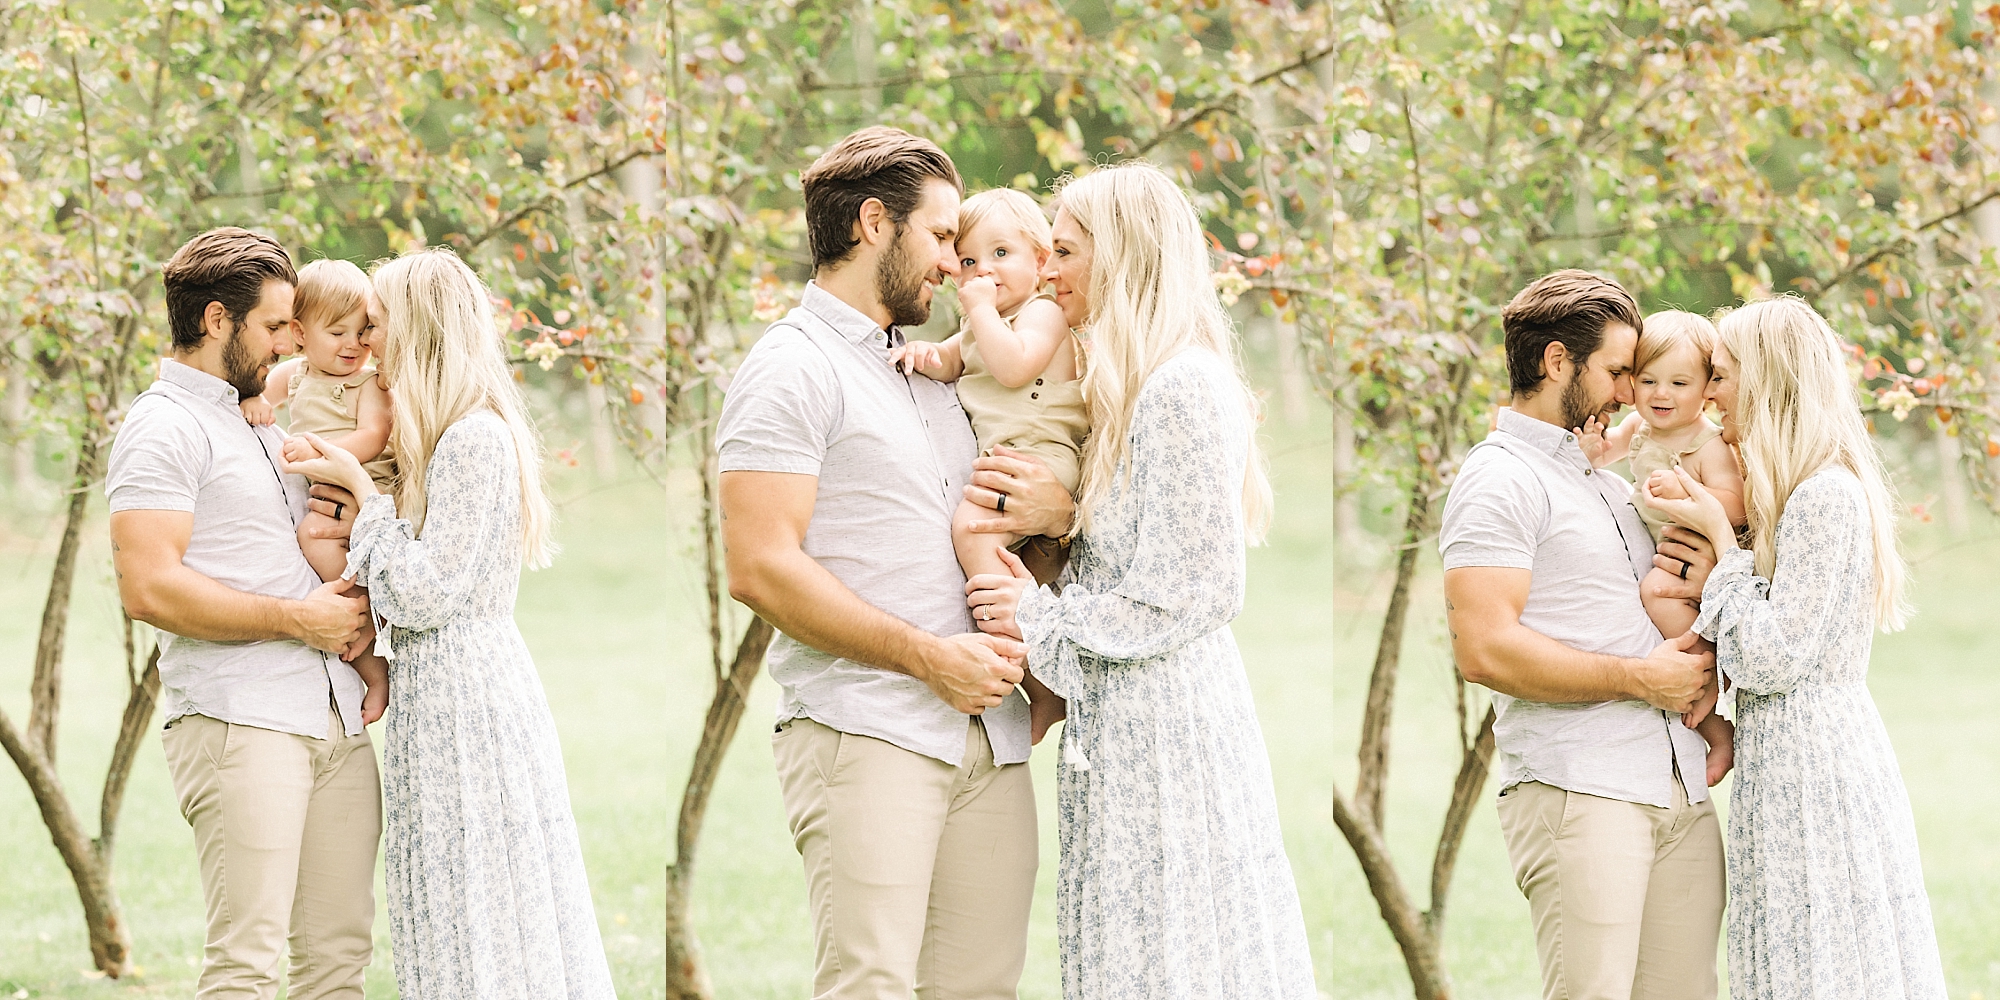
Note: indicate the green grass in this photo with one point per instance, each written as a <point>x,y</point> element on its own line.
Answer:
<point>616,627</point>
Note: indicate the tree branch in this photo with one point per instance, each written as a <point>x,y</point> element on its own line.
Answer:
<point>550,200</point>
<point>1477,759</point>
<point>1900,245</point>
<point>1224,104</point>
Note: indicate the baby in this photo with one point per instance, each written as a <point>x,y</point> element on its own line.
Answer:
<point>1017,364</point>
<point>1670,430</point>
<point>334,394</point>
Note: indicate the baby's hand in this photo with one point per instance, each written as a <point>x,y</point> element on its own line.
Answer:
<point>978,293</point>
<point>298,449</point>
<point>916,356</point>
<point>258,412</point>
<point>1664,485</point>
<point>1590,437</point>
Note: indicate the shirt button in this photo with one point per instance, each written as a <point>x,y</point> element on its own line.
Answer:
<point>1038,381</point>
<point>1034,395</point>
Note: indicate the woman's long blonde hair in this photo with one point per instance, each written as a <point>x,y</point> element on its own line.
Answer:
<point>444,361</point>
<point>1797,413</point>
<point>1150,297</point>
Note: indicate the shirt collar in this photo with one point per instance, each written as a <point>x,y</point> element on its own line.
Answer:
<point>846,320</point>
<point>200,383</point>
<point>1543,436</point>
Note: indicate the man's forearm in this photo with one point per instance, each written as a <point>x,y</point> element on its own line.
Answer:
<point>1519,661</point>
<point>183,602</point>
<point>800,598</point>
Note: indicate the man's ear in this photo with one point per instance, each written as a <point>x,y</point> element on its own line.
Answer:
<point>872,225</point>
<point>1556,362</point>
<point>215,320</point>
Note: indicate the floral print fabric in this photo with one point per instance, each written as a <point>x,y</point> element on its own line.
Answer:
<point>486,888</point>
<point>1826,891</point>
<point>1173,882</point>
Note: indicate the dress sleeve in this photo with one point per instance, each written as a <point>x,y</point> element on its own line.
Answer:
<point>1771,634</point>
<point>423,583</point>
<point>1187,574</point>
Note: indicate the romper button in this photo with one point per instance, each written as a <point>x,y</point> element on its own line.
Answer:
<point>1034,395</point>
<point>1038,381</point>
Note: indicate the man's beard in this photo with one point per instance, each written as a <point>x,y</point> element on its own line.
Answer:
<point>239,368</point>
<point>1576,404</point>
<point>900,288</point>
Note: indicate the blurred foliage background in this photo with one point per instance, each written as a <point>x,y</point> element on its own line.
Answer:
<point>1377,178</point>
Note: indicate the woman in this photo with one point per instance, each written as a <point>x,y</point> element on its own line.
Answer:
<point>1173,880</point>
<point>1826,892</point>
<point>487,894</point>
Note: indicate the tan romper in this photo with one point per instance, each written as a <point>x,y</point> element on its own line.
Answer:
<point>1044,418</point>
<point>328,406</point>
<point>1649,457</point>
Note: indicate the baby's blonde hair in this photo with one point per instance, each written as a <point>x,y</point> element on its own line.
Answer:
<point>1007,205</point>
<point>1662,332</point>
<point>328,290</point>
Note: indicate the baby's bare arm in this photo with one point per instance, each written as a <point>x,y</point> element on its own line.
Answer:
<point>1018,355</point>
<point>1714,467</point>
<point>371,423</point>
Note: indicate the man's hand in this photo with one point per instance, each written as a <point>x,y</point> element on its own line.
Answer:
<point>974,671</point>
<point>1021,489</point>
<point>338,505</point>
<point>327,619</point>
<point>1678,546</point>
<point>1672,677</point>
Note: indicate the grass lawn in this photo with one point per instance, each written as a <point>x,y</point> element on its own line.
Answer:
<point>616,629</point>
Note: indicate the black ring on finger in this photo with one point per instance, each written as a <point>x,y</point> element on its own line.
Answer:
<point>338,509</point>
<point>1684,569</point>
<point>1001,507</point>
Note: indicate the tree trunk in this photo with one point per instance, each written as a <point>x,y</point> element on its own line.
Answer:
<point>1346,487</point>
<point>1374,753</point>
<point>1419,934</point>
<point>45,689</point>
<point>686,977</point>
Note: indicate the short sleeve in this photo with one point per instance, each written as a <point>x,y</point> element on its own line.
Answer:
<point>1496,513</point>
<point>783,408</point>
<point>158,458</point>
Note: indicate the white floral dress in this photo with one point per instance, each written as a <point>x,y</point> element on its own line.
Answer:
<point>1826,892</point>
<point>487,894</point>
<point>1173,882</point>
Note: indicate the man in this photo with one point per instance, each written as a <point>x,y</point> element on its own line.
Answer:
<point>264,739</point>
<point>901,741</point>
<point>1607,818</point>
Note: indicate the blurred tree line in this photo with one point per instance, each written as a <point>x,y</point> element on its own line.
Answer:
<point>1377,178</point>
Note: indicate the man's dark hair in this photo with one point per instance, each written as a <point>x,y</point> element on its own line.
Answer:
<point>1571,307</point>
<point>878,162</point>
<point>227,265</point>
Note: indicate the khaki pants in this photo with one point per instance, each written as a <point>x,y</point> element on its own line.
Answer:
<point>1626,898</point>
<point>287,828</point>
<point>919,874</point>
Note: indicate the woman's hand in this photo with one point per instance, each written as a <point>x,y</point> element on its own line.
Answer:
<point>317,459</point>
<point>994,598</point>
<point>1675,493</point>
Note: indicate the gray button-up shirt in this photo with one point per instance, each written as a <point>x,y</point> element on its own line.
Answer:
<point>817,396</point>
<point>185,446</point>
<point>1527,498</point>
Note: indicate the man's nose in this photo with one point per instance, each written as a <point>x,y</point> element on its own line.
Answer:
<point>948,266</point>
<point>1622,392</point>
